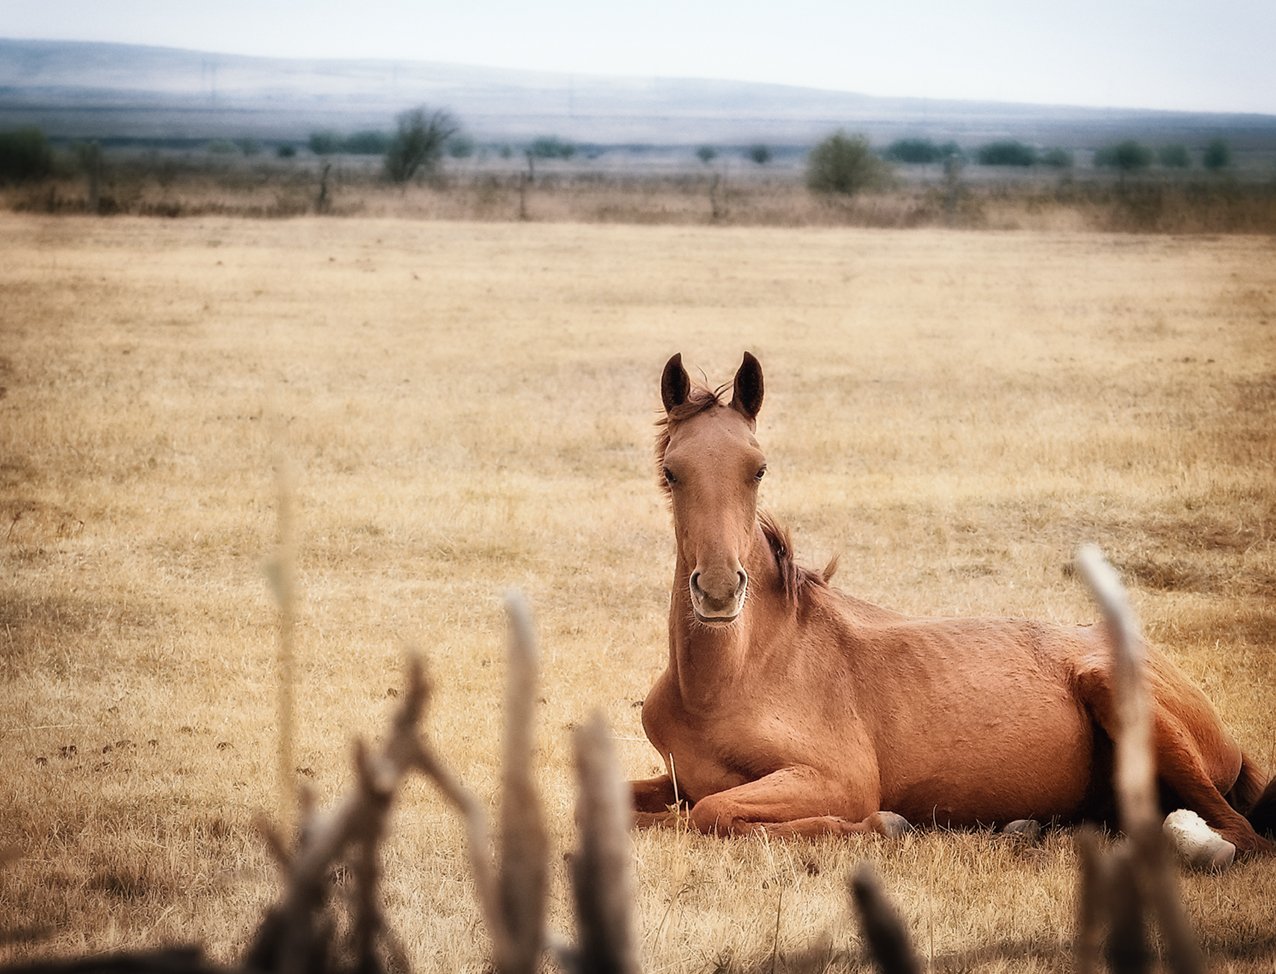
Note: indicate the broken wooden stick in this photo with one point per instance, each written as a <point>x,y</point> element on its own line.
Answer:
<point>1153,885</point>
<point>604,887</point>
<point>881,926</point>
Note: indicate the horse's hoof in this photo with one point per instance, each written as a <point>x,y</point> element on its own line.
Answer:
<point>889,824</point>
<point>1198,845</point>
<point>1025,829</point>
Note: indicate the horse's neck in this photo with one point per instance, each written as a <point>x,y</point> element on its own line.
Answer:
<point>709,661</point>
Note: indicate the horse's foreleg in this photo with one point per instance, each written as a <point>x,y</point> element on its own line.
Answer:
<point>655,803</point>
<point>882,823</point>
<point>653,794</point>
<point>793,801</point>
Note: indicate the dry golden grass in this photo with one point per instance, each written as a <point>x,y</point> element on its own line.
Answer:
<point>468,407</point>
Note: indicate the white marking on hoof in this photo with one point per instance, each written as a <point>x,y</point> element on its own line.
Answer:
<point>889,824</point>
<point>1197,844</point>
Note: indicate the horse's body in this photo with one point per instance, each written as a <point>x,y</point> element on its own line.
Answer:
<point>790,707</point>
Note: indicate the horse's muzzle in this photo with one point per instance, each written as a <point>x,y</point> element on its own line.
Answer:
<point>717,598</point>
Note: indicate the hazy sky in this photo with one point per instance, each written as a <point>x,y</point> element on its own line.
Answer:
<point>1217,55</point>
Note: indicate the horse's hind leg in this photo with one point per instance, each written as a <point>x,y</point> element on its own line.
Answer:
<point>1179,763</point>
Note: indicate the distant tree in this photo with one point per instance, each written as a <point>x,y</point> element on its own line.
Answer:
<point>248,146</point>
<point>286,151</point>
<point>221,147</point>
<point>759,154</point>
<point>89,155</point>
<point>1217,155</point>
<point>368,142</point>
<point>844,164</point>
<point>1126,157</point>
<point>915,151</point>
<point>1174,156</point>
<point>954,162</point>
<point>706,154</point>
<point>418,144</point>
<point>1057,158</point>
<point>24,155</point>
<point>325,143</point>
<point>1006,152</point>
<point>551,147</point>
<point>460,147</point>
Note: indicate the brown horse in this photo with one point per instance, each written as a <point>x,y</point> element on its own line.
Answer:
<point>792,708</point>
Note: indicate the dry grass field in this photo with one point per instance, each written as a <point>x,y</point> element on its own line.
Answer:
<point>468,407</point>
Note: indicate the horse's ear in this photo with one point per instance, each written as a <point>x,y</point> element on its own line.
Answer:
<point>675,384</point>
<point>747,394</point>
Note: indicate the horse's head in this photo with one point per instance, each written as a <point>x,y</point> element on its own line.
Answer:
<point>711,465</point>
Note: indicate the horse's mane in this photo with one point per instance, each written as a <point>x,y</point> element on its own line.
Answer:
<point>795,579</point>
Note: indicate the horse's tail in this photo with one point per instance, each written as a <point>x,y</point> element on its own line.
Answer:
<point>1262,815</point>
<point>1255,797</point>
<point>1248,787</point>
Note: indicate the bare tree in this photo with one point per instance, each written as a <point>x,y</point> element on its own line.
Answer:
<point>418,144</point>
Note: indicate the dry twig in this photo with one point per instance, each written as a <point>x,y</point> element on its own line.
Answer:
<point>881,926</point>
<point>1152,883</point>
<point>1092,905</point>
<point>524,868</point>
<point>297,934</point>
<point>602,871</point>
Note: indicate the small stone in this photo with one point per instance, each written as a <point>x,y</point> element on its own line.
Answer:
<point>1025,829</point>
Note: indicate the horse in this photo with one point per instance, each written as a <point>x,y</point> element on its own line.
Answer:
<point>791,708</point>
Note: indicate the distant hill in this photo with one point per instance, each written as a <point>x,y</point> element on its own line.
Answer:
<point>85,90</point>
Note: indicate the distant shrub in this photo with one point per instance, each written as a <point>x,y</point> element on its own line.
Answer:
<point>1173,157</point>
<point>1125,157</point>
<point>286,151</point>
<point>706,154</point>
<point>366,143</point>
<point>912,151</point>
<point>24,155</point>
<point>1006,152</point>
<point>418,144</point>
<point>1217,155</point>
<point>249,147</point>
<point>222,147</point>
<point>759,154</point>
<point>918,151</point>
<point>325,143</point>
<point>461,147</point>
<point>1057,158</point>
<point>551,147</point>
<point>844,164</point>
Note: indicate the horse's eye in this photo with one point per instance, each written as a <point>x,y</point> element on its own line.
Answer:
<point>670,479</point>
<point>760,474</point>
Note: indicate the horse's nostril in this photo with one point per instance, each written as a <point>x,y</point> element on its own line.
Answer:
<point>742,580</point>
<point>695,581</point>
